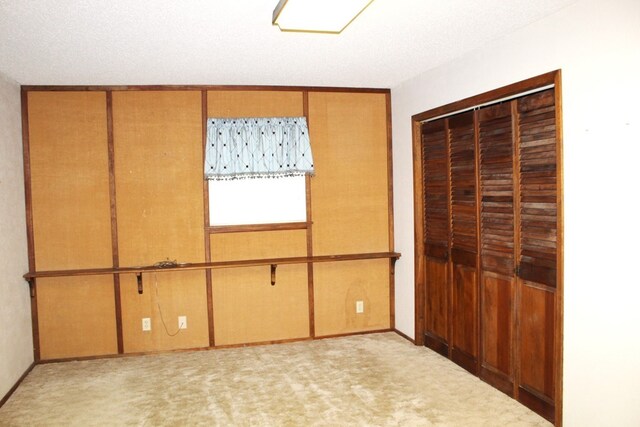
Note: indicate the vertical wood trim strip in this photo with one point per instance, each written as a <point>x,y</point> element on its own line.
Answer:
<point>310,284</point>
<point>479,276</point>
<point>418,236</point>
<point>449,267</point>
<point>559,332</point>
<point>207,237</point>
<point>114,220</point>
<point>26,159</point>
<point>392,281</point>
<point>517,288</point>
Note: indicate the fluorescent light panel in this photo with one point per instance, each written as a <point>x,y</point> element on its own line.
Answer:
<point>328,16</point>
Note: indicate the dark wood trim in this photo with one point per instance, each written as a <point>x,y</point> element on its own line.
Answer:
<point>28,201</point>
<point>6,397</point>
<point>243,228</point>
<point>207,239</point>
<point>478,260</point>
<point>559,332</point>
<point>537,403</point>
<point>405,336</point>
<point>212,265</point>
<point>114,221</point>
<point>310,283</point>
<point>418,235</point>
<point>392,280</point>
<point>79,88</point>
<point>517,282</point>
<point>450,277</point>
<point>492,95</point>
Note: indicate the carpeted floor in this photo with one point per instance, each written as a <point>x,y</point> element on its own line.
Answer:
<point>366,380</point>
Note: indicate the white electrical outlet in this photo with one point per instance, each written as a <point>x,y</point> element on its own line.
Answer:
<point>182,322</point>
<point>360,306</point>
<point>146,324</point>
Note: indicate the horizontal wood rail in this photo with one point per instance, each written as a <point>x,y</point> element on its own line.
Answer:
<point>273,262</point>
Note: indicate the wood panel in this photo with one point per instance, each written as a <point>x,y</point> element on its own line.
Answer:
<point>230,103</point>
<point>436,315</point>
<point>496,366</point>
<point>247,308</point>
<point>464,317</point>
<point>350,188</point>
<point>71,221</point>
<point>338,286</point>
<point>536,348</point>
<point>158,165</point>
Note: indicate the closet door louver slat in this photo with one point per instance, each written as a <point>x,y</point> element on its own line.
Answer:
<point>435,158</point>
<point>464,239</point>
<point>496,189</point>
<point>538,188</point>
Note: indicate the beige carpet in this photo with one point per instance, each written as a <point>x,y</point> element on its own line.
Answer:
<point>367,380</point>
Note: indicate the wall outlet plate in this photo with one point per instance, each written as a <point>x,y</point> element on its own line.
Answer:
<point>359,306</point>
<point>146,324</point>
<point>182,322</point>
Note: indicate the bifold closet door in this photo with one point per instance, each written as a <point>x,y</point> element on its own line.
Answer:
<point>464,241</point>
<point>537,250</point>
<point>497,219</point>
<point>436,235</point>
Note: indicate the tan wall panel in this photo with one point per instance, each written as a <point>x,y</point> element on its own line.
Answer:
<point>71,221</point>
<point>76,317</point>
<point>69,180</point>
<point>159,178</point>
<point>246,307</point>
<point>350,190</point>
<point>173,294</point>
<point>339,285</point>
<point>258,244</point>
<point>225,103</point>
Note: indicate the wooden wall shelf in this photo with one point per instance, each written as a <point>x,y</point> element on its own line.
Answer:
<point>273,262</point>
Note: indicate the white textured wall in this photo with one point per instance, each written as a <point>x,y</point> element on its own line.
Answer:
<point>16,345</point>
<point>596,43</point>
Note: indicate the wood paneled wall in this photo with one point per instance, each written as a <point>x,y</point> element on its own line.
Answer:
<point>116,179</point>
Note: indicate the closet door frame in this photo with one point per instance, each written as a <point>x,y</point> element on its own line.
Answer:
<point>506,92</point>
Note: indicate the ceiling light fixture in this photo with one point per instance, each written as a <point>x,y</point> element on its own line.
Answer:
<point>317,16</point>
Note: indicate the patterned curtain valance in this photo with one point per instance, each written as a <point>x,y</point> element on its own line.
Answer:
<point>257,147</point>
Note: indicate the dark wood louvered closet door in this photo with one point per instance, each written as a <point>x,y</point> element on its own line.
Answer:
<point>489,183</point>
<point>537,255</point>
<point>497,219</point>
<point>436,234</point>
<point>464,241</point>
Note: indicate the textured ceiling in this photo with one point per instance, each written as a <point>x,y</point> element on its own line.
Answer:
<point>132,42</point>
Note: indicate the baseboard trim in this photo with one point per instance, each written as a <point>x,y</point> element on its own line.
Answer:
<point>405,336</point>
<point>16,385</point>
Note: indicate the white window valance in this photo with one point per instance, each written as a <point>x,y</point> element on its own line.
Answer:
<point>257,147</point>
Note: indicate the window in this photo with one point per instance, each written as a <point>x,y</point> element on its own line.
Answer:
<point>258,201</point>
